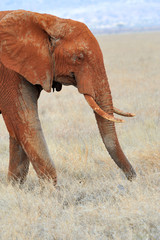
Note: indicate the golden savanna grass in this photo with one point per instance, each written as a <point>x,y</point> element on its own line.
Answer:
<point>95,201</point>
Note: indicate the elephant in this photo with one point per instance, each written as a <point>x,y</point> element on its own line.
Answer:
<point>40,52</point>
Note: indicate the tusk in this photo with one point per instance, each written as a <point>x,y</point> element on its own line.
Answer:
<point>119,112</point>
<point>99,111</point>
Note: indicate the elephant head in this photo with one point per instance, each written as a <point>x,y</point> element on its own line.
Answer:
<point>47,50</point>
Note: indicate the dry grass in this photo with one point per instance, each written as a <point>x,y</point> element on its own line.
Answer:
<point>95,201</point>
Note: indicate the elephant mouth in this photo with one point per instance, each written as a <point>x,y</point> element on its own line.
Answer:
<point>105,115</point>
<point>73,76</point>
<point>66,80</point>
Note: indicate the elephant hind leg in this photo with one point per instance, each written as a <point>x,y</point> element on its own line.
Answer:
<point>18,163</point>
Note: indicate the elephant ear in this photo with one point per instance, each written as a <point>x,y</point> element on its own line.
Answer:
<point>24,48</point>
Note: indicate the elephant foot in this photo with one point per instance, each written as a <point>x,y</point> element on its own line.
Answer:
<point>18,174</point>
<point>47,173</point>
<point>16,179</point>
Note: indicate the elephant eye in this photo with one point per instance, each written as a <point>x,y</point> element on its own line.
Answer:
<point>77,58</point>
<point>51,40</point>
<point>80,56</point>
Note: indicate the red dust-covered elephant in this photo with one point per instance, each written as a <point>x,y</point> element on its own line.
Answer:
<point>41,51</point>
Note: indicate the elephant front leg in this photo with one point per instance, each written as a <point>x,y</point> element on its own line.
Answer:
<point>18,162</point>
<point>22,121</point>
<point>34,144</point>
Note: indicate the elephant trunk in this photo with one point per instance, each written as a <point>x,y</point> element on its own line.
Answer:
<point>106,125</point>
<point>109,136</point>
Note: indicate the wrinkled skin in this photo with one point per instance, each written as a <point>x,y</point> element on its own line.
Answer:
<point>41,51</point>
